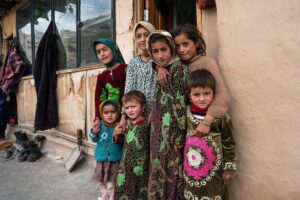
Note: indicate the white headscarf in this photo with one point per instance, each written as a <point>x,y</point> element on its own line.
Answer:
<point>150,28</point>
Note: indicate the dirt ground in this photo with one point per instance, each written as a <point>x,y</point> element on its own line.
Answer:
<point>45,179</point>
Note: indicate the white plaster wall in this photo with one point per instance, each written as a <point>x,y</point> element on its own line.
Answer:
<point>124,25</point>
<point>258,52</point>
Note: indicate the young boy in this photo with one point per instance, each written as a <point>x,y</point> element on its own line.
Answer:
<point>132,178</point>
<point>208,160</point>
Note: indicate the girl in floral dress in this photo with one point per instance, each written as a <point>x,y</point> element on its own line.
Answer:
<point>132,178</point>
<point>209,160</point>
<point>168,121</point>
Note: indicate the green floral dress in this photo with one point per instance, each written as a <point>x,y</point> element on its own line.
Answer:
<point>132,178</point>
<point>168,129</point>
<point>207,158</point>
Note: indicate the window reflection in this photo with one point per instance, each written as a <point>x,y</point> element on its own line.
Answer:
<point>65,19</point>
<point>42,18</point>
<point>96,17</point>
<point>24,31</point>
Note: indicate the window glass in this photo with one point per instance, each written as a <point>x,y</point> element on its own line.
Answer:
<point>65,19</point>
<point>97,21</point>
<point>42,18</point>
<point>24,30</point>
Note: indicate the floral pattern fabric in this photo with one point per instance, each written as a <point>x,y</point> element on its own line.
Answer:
<point>168,129</point>
<point>206,158</point>
<point>141,76</point>
<point>132,178</point>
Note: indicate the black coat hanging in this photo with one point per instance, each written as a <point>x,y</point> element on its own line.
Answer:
<point>46,115</point>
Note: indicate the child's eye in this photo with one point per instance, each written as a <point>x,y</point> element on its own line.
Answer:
<point>185,44</point>
<point>138,36</point>
<point>164,49</point>
<point>105,113</point>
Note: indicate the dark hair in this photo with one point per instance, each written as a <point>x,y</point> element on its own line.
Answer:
<point>156,37</point>
<point>134,95</point>
<point>193,34</point>
<point>201,78</point>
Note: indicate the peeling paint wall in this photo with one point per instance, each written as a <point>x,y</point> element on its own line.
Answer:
<point>71,93</point>
<point>26,102</point>
<point>258,52</point>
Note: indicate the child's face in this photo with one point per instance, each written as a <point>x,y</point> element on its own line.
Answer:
<point>104,53</point>
<point>161,52</point>
<point>110,114</point>
<point>201,97</point>
<point>186,49</point>
<point>133,109</point>
<point>141,36</point>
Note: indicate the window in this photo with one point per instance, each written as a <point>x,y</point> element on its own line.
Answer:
<point>97,22</point>
<point>78,22</point>
<point>65,19</point>
<point>24,30</point>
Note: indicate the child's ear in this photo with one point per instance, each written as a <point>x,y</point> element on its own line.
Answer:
<point>187,97</point>
<point>197,43</point>
<point>143,108</point>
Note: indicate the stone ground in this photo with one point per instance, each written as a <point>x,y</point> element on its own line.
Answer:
<point>46,179</point>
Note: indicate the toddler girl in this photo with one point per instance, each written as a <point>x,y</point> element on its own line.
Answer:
<point>107,153</point>
<point>132,178</point>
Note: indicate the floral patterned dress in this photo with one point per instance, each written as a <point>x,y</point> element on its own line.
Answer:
<point>132,178</point>
<point>206,159</point>
<point>168,129</point>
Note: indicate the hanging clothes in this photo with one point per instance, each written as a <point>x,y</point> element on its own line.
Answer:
<point>13,68</point>
<point>3,114</point>
<point>46,115</point>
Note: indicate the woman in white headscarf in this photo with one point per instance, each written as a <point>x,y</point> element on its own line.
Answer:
<point>140,74</point>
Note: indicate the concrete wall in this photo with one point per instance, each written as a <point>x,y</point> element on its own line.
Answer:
<point>258,52</point>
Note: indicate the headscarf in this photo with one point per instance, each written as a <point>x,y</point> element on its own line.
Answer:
<point>117,107</point>
<point>150,28</point>
<point>169,38</point>
<point>117,56</point>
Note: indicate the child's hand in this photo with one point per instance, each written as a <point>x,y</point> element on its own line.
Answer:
<point>122,123</point>
<point>177,148</point>
<point>204,128</point>
<point>96,126</point>
<point>201,130</point>
<point>118,131</point>
<point>162,76</point>
<point>227,175</point>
